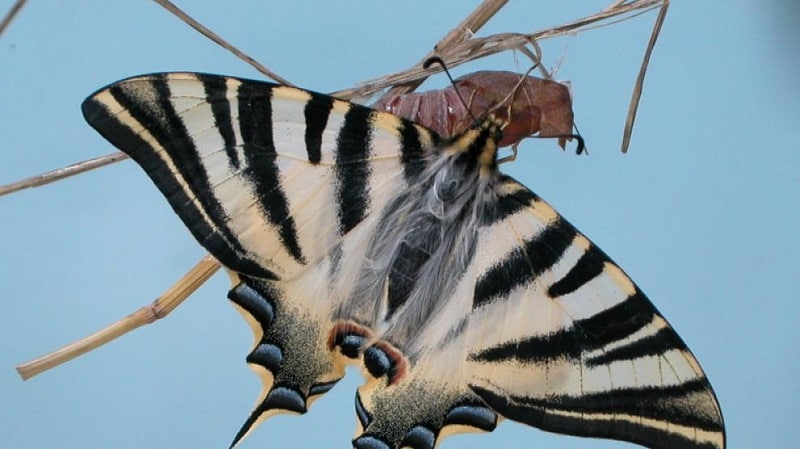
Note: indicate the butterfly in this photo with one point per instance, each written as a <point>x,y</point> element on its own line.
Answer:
<point>353,236</point>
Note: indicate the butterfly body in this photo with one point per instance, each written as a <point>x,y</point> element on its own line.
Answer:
<point>353,236</point>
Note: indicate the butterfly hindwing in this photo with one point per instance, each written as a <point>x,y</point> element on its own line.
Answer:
<point>354,236</point>
<point>581,350</point>
<point>531,322</point>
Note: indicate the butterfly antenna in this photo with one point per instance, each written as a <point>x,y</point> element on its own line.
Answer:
<point>509,96</point>
<point>581,149</point>
<point>581,144</point>
<point>437,60</point>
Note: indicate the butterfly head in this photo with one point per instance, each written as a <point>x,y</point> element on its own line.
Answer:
<point>479,144</point>
<point>493,126</point>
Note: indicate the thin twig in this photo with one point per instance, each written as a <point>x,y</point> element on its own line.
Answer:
<point>637,88</point>
<point>478,47</point>
<point>460,33</point>
<point>11,14</point>
<point>169,6</point>
<point>160,308</point>
<point>61,173</point>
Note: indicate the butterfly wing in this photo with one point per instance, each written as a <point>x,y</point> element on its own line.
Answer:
<point>269,179</point>
<point>561,339</point>
<point>540,327</point>
<point>266,177</point>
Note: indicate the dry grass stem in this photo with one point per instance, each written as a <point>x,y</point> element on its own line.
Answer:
<point>479,47</point>
<point>460,33</point>
<point>160,308</point>
<point>61,173</point>
<point>11,14</point>
<point>169,6</point>
<point>637,88</point>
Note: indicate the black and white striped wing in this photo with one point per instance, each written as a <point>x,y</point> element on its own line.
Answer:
<point>539,326</point>
<point>269,179</point>
<point>266,177</point>
<point>353,236</point>
<point>561,339</point>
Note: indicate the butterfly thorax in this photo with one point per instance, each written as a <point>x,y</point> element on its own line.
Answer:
<point>479,144</point>
<point>425,238</point>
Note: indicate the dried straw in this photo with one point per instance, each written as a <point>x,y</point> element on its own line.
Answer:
<point>11,14</point>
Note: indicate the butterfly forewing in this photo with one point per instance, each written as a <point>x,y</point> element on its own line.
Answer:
<point>354,236</point>
<point>264,192</point>
<point>268,178</point>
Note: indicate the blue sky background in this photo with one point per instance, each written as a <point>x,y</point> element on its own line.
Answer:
<point>702,212</point>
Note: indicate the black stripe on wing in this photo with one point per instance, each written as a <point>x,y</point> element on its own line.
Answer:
<point>413,152</point>
<point>353,168</point>
<point>660,342</point>
<point>588,267</point>
<point>148,103</point>
<point>596,332</point>
<point>316,112</point>
<point>521,266</point>
<point>216,95</point>
<point>255,126</point>
<point>623,414</point>
<point>508,204</point>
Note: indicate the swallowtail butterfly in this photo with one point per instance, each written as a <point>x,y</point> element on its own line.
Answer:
<point>353,236</point>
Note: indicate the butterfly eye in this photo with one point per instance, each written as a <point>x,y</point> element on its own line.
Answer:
<point>447,189</point>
